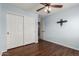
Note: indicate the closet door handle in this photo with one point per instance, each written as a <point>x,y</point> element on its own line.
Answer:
<point>8,33</point>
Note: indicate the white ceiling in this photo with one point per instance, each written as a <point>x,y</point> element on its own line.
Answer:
<point>34,6</point>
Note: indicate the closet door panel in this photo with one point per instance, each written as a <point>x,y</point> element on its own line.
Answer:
<point>14,31</point>
<point>29,30</point>
<point>20,31</point>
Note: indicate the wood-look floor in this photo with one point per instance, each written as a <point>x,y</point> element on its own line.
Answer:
<point>43,48</point>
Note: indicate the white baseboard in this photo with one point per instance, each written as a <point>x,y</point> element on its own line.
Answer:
<point>36,42</point>
<point>2,52</point>
<point>63,45</point>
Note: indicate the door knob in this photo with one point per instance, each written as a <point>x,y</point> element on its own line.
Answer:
<point>8,33</point>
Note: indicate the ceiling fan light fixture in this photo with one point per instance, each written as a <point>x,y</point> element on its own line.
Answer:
<point>45,10</point>
<point>48,8</point>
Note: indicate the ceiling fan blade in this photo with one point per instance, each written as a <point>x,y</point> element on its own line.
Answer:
<point>40,9</point>
<point>44,4</point>
<point>57,6</point>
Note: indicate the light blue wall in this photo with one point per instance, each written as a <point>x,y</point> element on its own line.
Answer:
<point>68,34</point>
<point>0,27</point>
<point>2,30</point>
<point>4,8</point>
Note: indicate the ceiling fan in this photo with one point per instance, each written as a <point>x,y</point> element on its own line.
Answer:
<point>48,7</point>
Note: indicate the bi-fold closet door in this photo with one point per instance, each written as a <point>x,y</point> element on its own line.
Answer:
<point>20,30</point>
<point>29,30</point>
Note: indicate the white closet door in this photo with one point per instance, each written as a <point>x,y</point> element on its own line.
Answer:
<point>14,31</point>
<point>29,30</point>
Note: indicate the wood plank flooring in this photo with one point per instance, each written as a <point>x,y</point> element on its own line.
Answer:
<point>43,48</point>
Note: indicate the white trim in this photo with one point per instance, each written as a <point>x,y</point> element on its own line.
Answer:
<point>2,52</point>
<point>63,45</point>
<point>36,41</point>
<point>15,13</point>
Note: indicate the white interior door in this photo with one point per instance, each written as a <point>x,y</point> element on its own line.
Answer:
<point>14,30</point>
<point>42,29</point>
<point>29,30</point>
